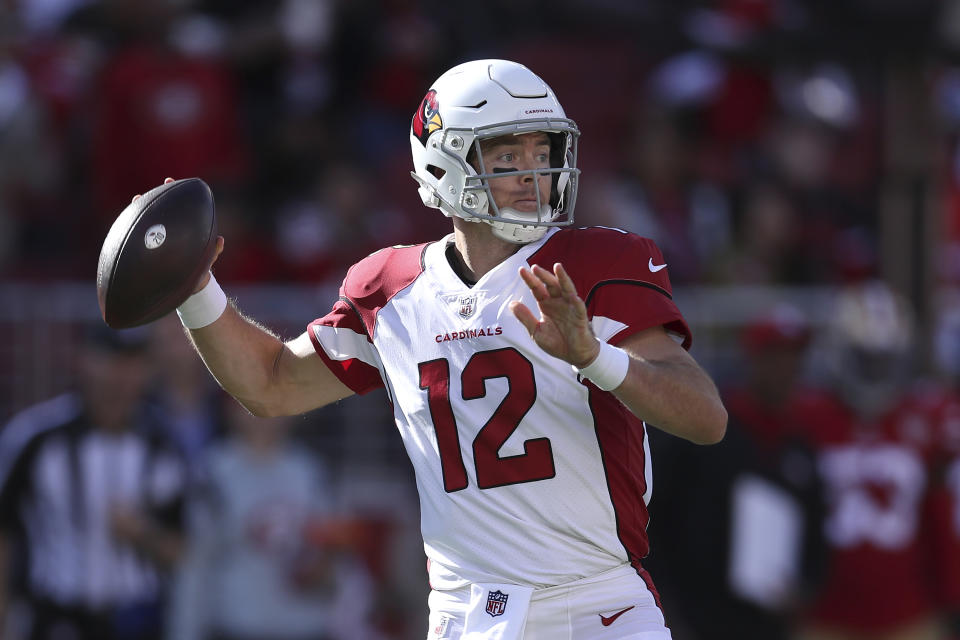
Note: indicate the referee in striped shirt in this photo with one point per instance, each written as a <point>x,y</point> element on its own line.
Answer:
<point>91,502</point>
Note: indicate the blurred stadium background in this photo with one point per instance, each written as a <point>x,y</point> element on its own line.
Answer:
<point>775,149</point>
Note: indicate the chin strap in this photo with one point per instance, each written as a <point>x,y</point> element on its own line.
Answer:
<point>524,230</point>
<point>518,234</point>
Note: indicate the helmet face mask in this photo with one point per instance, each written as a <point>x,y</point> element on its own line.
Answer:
<point>870,344</point>
<point>475,103</point>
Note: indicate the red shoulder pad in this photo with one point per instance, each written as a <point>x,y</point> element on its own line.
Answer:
<point>372,282</point>
<point>619,275</point>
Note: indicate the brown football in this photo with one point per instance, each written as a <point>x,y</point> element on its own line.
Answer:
<point>155,252</point>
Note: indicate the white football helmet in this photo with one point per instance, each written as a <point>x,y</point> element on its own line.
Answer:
<point>480,100</point>
<point>870,342</point>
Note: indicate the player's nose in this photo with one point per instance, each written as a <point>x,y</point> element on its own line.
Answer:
<point>528,163</point>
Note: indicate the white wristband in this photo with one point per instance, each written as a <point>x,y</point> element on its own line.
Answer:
<point>609,369</point>
<point>203,307</point>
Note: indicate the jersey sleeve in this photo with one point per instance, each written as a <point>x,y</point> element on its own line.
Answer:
<point>623,279</point>
<point>344,338</point>
<point>341,341</point>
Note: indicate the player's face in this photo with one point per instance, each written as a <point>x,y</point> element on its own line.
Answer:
<point>511,153</point>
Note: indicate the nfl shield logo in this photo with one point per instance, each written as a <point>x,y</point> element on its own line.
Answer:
<point>497,603</point>
<point>468,304</point>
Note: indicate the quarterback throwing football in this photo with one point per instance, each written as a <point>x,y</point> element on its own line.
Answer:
<point>522,358</point>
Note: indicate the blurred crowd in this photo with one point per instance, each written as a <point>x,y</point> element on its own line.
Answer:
<point>758,141</point>
<point>832,505</point>
<point>777,143</point>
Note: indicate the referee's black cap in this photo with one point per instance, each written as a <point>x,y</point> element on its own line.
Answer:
<point>120,341</point>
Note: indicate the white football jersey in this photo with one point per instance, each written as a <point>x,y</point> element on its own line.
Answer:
<point>526,473</point>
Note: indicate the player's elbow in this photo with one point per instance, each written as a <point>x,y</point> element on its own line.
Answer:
<point>261,410</point>
<point>262,407</point>
<point>267,396</point>
<point>706,425</point>
<point>713,427</point>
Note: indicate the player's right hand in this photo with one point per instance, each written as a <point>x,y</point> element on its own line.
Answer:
<point>205,278</point>
<point>563,329</point>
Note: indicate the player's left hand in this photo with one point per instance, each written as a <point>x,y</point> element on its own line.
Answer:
<point>563,329</point>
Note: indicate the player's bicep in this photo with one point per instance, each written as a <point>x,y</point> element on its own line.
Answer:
<point>307,382</point>
<point>656,344</point>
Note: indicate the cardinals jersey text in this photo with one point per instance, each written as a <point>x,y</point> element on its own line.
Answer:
<point>526,473</point>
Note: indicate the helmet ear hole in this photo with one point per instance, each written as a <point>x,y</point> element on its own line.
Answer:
<point>437,172</point>
<point>558,149</point>
<point>472,156</point>
<point>558,159</point>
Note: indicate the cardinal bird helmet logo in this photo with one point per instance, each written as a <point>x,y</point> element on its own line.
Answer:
<point>427,119</point>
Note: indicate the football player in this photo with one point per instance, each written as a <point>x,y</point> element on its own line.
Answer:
<point>875,446</point>
<point>942,399</point>
<point>759,490</point>
<point>522,357</point>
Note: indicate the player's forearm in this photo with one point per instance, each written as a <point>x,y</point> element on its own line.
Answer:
<point>676,396</point>
<point>242,356</point>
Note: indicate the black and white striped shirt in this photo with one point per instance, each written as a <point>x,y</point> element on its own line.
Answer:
<point>59,477</point>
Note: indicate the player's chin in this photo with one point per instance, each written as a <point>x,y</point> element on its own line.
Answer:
<point>525,206</point>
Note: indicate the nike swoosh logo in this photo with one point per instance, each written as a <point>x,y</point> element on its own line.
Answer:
<point>655,267</point>
<point>607,621</point>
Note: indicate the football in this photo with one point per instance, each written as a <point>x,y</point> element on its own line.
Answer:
<point>155,252</point>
